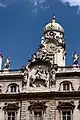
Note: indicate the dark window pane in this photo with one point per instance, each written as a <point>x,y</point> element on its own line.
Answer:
<point>9,118</point>
<point>64,118</point>
<point>9,113</point>
<point>13,113</point>
<point>38,115</point>
<point>64,113</point>
<point>13,118</point>
<point>35,113</point>
<point>68,118</point>
<point>68,113</point>
<point>66,86</point>
<point>13,88</point>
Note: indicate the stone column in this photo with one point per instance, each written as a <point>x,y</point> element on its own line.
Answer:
<point>52,112</point>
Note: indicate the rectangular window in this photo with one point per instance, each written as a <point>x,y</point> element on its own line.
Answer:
<point>11,115</point>
<point>66,115</point>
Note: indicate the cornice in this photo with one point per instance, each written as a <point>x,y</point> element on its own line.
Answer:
<point>42,95</point>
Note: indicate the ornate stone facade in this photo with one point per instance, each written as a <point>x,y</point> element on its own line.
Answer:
<point>44,89</point>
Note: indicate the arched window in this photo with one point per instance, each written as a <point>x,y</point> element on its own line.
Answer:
<point>66,86</point>
<point>13,88</point>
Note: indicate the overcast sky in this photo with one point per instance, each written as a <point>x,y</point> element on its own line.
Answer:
<point>22,23</point>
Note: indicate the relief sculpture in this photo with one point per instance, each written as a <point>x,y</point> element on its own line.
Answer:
<point>40,77</point>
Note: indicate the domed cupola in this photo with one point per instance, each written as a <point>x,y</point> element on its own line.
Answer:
<point>53,26</point>
<point>54,31</point>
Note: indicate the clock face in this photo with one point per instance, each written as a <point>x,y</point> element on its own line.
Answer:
<point>50,47</point>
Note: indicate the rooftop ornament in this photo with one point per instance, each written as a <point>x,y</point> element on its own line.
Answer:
<point>53,22</point>
<point>7,63</point>
<point>75,58</point>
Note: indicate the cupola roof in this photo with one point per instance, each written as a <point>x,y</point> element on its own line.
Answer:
<point>53,25</point>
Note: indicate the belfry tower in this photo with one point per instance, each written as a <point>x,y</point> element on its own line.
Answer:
<point>41,69</point>
<point>53,42</point>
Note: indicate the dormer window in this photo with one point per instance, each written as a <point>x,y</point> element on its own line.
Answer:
<point>66,86</point>
<point>13,88</point>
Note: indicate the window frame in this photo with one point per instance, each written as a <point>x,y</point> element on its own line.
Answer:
<point>13,88</point>
<point>6,114</point>
<point>67,110</point>
<point>38,107</point>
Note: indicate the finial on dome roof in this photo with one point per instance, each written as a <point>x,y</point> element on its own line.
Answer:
<point>53,22</point>
<point>54,17</point>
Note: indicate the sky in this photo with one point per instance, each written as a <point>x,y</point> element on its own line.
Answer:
<point>22,23</point>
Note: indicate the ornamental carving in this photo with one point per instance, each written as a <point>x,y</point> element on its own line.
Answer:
<point>39,78</point>
<point>26,76</point>
<point>53,73</point>
<point>66,105</point>
<point>38,105</point>
<point>7,63</point>
<point>43,56</point>
<point>11,106</point>
<point>75,58</point>
<point>25,70</point>
<point>37,110</point>
<point>49,35</point>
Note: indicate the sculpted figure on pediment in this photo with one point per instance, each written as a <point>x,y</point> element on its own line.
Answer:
<point>40,77</point>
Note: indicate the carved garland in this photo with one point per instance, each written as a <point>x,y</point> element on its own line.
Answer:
<point>66,105</point>
<point>40,105</point>
<point>11,106</point>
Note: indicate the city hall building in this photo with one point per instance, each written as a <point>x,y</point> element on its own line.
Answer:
<point>44,89</point>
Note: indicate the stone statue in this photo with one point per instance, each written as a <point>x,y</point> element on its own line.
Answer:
<point>7,63</point>
<point>53,73</point>
<point>26,75</point>
<point>26,79</point>
<point>75,58</point>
